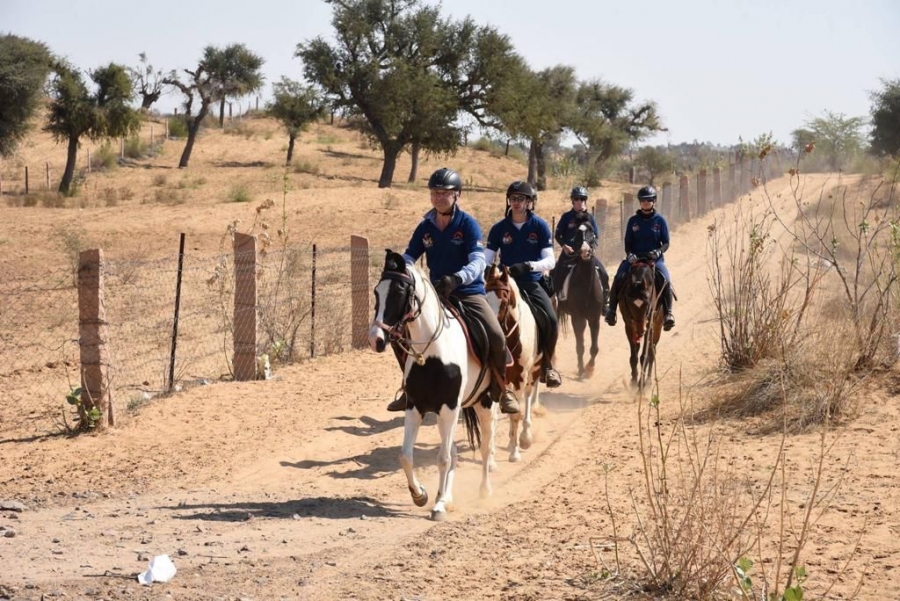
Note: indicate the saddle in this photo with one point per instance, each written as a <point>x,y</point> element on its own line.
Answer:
<point>541,319</point>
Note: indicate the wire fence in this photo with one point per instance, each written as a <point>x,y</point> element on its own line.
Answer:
<point>288,304</point>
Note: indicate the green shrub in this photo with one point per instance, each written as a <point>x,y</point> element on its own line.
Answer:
<point>135,148</point>
<point>177,127</point>
<point>239,193</point>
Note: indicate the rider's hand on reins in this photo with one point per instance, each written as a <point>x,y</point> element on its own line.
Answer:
<point>447,284</point>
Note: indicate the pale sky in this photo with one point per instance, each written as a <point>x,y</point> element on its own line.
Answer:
<point>717,69</point>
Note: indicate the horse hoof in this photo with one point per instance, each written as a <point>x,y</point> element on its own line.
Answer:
<point>438,516</point>
<point>420,499</point>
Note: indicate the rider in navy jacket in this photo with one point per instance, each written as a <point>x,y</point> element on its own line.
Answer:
<point>523,241</point>
<point>565,235</point>
<point>646,234</point>
<point>450,239</point>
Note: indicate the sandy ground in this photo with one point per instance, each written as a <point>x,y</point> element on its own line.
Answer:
<point>291,488</point>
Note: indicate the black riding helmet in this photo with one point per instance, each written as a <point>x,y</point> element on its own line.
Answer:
<point>523,188</point>
<point>579,193</point>
<point>647,193</point>
<point>445,179</point>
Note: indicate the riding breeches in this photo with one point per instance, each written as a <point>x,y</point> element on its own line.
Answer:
<point>477,305</point>
<point>538,296</point>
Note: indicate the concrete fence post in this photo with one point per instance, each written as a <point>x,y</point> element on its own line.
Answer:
<point>359,290</point>
<point>244,307</point>
<point>717,188</point>
<point>702,205</point>
<point>93,338</point>
<point>684,199</point>
<point>665,201</point>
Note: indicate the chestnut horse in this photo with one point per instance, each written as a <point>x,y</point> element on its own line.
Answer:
<point>640,306</point>
<point>520,328</point>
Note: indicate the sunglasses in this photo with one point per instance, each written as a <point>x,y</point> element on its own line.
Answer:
<point>579,199</point>
<point>518,198</point>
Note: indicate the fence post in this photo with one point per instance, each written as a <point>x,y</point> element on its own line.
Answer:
<point>88,160</point>
<point>702,206</point>
<point>122,148</point>
<point>312,305</point>
<point>684,199</point>
<point>26,180</point>
<point>359,290</point>
<point>151,135</point>
<point>93,338</point>
<point>717,187</point>
<point>171,382</point>
<point>244,307</point>
<point>666,200</point>
<point>731,175</point>
<point>623,217</point>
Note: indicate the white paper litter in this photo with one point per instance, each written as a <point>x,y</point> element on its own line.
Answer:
<point>161,569</point>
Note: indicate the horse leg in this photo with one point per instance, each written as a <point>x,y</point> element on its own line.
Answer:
<point>446,460</point>
<point>513,448</point>
<point>527,437</point>
<point>410,430</point>
<point>633,360</point>
<point>594,325</point>
<point>487,423</point>
<point>578,324</point>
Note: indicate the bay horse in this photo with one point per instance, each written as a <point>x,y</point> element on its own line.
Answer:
<point>584,300</point>
<point>640,306</point>
<point>523,375</point>
<point>440,376</point>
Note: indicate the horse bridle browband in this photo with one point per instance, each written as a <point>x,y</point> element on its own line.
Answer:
<point>397,332</point>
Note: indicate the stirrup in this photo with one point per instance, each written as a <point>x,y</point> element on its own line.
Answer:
<point>552,378</point>
<point>669,323</point>
<point>610,317</point>
<point>400,402</point>
<point>508,403</point>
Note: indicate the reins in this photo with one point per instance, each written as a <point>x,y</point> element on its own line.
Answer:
<point>399,331</point>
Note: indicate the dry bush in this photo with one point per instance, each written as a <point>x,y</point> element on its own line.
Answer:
<point>703,520</point>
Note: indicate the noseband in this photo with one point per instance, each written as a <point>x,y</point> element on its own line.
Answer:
<point>399,331</point>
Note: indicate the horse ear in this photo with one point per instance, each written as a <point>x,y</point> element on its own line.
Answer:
<point>393,261</point>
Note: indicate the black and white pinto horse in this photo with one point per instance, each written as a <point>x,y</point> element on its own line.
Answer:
<point>440,376</point>
<point>584,300</point>
<point>518,324</point>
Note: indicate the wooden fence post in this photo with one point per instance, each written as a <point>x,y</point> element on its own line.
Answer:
<point>359,290</point>
<point>47,168</point>
<point>88,160</point>
<point>93,340</point>
<point>244,307</point>
<point>26,180</point>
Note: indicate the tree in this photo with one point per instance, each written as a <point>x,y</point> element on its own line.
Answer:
<point>885,134</point>
<point>295,106</point>
<point>537,107</point>
<point>607,120</point>
<point>75,112</point>
<point>206,86</point>
<point>406,73</point>
<point>655,161</point>
<point>24,67</point>
<point>837,138</point>
<point>234,72</point>
<point>147,82</point>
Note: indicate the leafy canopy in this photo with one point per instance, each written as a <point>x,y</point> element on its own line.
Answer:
<point>24,67</point>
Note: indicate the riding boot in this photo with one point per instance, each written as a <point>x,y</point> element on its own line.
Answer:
<point>504,397</point>
<point>613,303</point>
<point>399,403</point>
<point>668,300</point>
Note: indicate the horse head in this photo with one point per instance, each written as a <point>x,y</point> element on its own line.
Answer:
<point>396,302</point>
<point>501,295</point>
<point>584,240</point>
<point>639,295</point>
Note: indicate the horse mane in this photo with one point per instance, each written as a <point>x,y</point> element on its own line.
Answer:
<point>583,217</point>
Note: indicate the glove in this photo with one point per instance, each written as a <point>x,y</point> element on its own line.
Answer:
<point>631,258</point>
<point>447,284</point>
<point>519,269</point>
<point>654,255</point>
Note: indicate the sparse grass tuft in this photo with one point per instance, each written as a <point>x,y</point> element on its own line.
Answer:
<point>239,193</point>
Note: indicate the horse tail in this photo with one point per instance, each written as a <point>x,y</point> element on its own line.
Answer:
<point>473,432</point>
<point>562,317</point>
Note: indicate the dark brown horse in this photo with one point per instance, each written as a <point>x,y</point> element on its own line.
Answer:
<point>584,300</point>
<point>640,306</point>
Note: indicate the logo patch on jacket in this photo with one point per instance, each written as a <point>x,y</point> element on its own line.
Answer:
<point>427,242</point>
<point>458,237</point>
<point>532,238</point>
<point>507,238</point>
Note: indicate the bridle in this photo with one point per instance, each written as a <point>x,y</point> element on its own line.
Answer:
<point>399,332</point>
<point>507,321</point>
<point>653,296</point>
